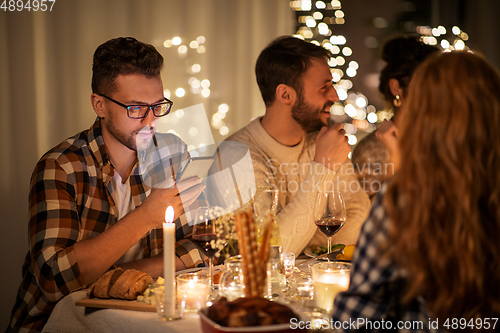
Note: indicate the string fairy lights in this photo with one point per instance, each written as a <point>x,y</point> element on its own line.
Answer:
<point>448,40</point>
<point>316,23</point>
<point>197,85</point>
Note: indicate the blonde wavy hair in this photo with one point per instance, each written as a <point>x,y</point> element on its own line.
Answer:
<point>445,199</point>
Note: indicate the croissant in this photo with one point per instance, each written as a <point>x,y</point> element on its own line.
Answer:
<point>118,283</point>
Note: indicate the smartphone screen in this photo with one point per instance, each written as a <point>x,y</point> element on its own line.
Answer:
<point>197,166</point>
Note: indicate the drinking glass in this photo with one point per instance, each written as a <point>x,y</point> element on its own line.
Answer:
<point>208,236</point>
<point>265,206</point>
<point>231,281</point>
<point>265,203</point>
<point>329,213</point>
<point>288,259</point>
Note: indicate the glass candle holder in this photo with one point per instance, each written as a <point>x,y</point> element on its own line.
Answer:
<point>329,278</point>
<point>193,290</point>
<point>288,259</point>
<point>276,280</point>
<point>159,294</point>
<point>231,281</point>
<point>301,285</point>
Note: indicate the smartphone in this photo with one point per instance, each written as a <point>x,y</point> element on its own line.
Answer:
<point>196,166</point>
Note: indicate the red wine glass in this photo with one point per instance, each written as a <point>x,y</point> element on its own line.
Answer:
<point>208,235</point>
<point>329,213</point>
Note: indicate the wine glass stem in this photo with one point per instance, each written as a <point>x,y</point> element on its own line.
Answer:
<point>329,244</point>
<point>211,271</point>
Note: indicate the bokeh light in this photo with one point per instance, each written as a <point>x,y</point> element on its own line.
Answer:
<point>176,41</point>
<point>179,92</point>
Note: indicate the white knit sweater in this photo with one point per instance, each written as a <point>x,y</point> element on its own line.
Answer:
<point>299,179</point>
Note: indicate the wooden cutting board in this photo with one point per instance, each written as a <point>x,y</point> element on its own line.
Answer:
<point>110,303</point>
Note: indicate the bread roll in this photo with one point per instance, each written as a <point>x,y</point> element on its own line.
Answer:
<point>101,287</point>
<point>118,283</point>
<point>130,284</point>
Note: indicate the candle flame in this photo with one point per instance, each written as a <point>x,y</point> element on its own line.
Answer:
<point>169,214</point>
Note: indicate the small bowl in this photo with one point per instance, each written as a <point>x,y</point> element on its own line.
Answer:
<point>209,326</point>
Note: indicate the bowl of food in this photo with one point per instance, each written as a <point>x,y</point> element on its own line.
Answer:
<point>246,315</point>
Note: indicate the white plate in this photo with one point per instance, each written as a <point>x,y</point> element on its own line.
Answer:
<point>197,269</point>
<point>308,252</point>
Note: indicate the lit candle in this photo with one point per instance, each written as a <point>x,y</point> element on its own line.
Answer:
<point>192,291</point>
<point>329,278</point>
<point>327,287</point>
<point>169,262</point>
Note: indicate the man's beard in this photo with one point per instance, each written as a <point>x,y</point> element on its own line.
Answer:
<point>132,141</point>
<point>307,116</point>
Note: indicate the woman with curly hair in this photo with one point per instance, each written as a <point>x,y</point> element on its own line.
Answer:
<point>372,156</point>
<point>429,253</point>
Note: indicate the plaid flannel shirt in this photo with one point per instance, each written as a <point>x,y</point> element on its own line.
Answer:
<point>71,200</point>
<point>373,301</point>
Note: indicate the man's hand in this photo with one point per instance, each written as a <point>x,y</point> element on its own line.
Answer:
<point>331,146</point>
<point>96,255</point>
<point>388,134</point>
<point>183,194</point>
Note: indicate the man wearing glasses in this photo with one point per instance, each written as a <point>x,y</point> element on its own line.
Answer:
<point>90,206</point>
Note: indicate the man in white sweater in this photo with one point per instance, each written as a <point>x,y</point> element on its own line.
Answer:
<point>292,147</point>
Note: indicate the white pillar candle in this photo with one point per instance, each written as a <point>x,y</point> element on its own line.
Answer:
<point>169,262</point>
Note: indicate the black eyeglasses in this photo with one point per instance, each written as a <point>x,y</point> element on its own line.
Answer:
<point>141,111</point>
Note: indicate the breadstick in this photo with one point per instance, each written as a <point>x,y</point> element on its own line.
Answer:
<point>254,260</point>
<point>266,239</point>
<point>263,254</point>
<point>247,261</point>
<point>243,249</point>
<point>253,257</point>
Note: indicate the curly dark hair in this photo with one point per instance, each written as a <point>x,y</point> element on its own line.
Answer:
<point>284,61</point>
<point>123,55</point>
<point>402,56</point>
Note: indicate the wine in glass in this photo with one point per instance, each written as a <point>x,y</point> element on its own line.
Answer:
<point>208,236</point>
<point>329,213</point>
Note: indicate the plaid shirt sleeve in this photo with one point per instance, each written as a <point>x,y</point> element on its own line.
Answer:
<point>53,229</point>
<point>377,285</point>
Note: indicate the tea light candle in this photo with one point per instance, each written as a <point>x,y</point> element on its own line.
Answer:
<point>304,290</point>
<point>327,286</point>
<point>329,279</point>
<point>169,262</point>
<point>193,293</point>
